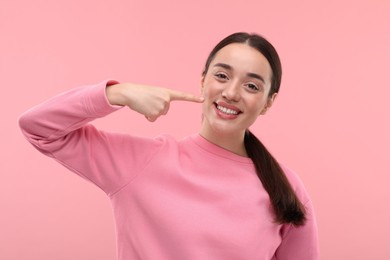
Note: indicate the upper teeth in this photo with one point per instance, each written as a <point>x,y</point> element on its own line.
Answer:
<point>227,110</point>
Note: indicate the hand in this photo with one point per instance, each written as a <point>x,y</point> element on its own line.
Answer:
<point>150,101</point>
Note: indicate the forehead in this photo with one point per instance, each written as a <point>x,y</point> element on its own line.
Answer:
<point>243,59</point>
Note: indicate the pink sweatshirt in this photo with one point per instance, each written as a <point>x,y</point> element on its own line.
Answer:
<point>184,200</point>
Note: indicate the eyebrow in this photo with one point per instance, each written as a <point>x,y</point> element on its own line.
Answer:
<point>249,74</point>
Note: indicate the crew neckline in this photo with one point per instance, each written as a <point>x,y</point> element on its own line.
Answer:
<point>210,147</point>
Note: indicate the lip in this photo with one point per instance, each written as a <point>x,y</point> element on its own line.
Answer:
<point>229,106</point>
<point>224,104</point>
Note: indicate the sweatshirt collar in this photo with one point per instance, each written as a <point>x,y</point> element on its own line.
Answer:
<point>217,150</point>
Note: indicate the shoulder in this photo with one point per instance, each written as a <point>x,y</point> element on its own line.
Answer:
<point>165,143</point>
<point>296,183</point>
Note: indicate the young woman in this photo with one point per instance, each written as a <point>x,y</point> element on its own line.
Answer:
<point>218,194</point>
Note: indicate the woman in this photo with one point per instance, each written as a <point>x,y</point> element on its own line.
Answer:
<point>218,194</point>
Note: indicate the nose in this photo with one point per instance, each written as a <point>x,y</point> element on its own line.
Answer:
<point>232,92</point>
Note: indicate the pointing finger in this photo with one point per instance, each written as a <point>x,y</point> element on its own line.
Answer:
<point>178,95</point>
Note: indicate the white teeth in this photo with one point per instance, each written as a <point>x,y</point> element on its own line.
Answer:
<point>227,110</point>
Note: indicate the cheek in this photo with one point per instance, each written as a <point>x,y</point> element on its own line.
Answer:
<point>209,97</point>
<point>257,106</point>
<point>207,91</point>
<point>207,108</point>
<point>209,86</point>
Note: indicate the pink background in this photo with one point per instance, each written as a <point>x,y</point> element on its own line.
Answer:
<point>330,123</point>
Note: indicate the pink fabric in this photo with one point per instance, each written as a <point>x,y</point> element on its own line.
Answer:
<point>186,199</point>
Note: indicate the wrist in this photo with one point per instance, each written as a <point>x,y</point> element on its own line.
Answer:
<point>114,94</point>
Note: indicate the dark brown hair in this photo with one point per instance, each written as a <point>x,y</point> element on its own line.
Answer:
<point>287,207</point>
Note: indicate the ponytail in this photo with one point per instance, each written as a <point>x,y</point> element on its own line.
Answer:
<point>287,207</point>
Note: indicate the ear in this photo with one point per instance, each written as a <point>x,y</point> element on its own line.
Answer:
<point>201,84</point>
<point>270,101</point>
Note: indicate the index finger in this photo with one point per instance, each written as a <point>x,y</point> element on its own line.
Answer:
<point>183,96</point>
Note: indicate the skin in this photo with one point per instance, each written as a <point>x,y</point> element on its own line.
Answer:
<point>150,101</point>
<point>229,82</point>
<point>239,77</point>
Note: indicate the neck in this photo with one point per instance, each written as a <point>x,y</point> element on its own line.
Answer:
<point>230,142</point>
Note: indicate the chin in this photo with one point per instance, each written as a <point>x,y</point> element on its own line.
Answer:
<point>222,129</point>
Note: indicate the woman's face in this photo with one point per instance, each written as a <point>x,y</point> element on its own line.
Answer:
<point>236,88</point>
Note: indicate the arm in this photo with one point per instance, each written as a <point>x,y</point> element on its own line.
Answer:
<point>59,128</point>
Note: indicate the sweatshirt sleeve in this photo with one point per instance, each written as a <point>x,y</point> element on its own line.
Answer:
<point>59,128</point>
<point>299,242</point>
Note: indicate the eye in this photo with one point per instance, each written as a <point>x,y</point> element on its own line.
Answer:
<point>252,87</point>
<point>221,76</point>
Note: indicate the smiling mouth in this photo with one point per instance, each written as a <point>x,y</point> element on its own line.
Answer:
<point>226,110</point>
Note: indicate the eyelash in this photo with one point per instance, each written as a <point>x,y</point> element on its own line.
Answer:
<point>250,86</point>
<point>221,76</point>
<point>253,87</point>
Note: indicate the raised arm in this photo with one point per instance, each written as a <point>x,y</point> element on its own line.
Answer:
<point>64,113</point>
<point>60,129</point>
